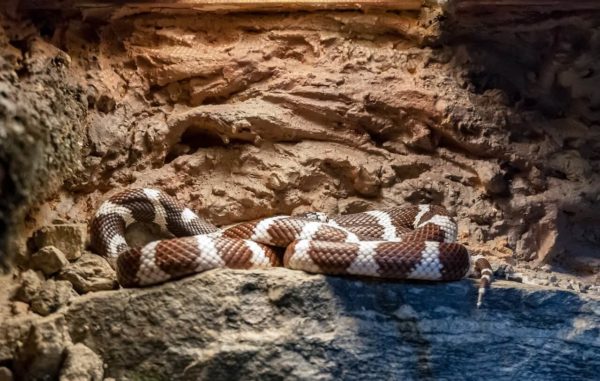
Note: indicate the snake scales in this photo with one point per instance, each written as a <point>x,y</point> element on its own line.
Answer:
<point>414,242</point>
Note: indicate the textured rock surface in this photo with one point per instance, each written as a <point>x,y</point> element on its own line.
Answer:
<point>30,285</point>
<point>69,238</point>
<point>81,364</point>
<point>51,296</point>
<point>41,353</point>
<point>43,296</point>
<point>283,324</point>
<point>90,273</point>
<point>49,260</point>
<point>41,109</point>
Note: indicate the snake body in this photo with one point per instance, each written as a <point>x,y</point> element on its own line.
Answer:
<point>413,242</point>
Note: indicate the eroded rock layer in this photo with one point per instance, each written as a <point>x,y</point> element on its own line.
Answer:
<point>286,325</point>
<point>248,115</point>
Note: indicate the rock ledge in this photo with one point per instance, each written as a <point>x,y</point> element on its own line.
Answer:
<point>282,324</point>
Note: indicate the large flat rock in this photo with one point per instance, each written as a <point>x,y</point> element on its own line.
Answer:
<point>282,324</point>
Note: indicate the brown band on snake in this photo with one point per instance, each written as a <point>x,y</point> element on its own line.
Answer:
<point>403,217</point>
<point>177,225</point>
<point>428,232</point>
<point>128,264</point>
<point>103,228</point>
<point>289,252</point>
<point>283,232</point>
<point>137,202</point>
<point>455,258</point>
<point>333,257</point>
<point>398,261</point>
<point>177,257</point>
<point>275,259</point>
<point>329,233</point>
<point>367,232</point>
<point>376,232</point>
<point>243,230</point>
<point>355,219</point>
<point>235,253</point>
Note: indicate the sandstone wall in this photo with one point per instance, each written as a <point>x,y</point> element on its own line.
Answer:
<point>41,132</point>
<point>494,115</point>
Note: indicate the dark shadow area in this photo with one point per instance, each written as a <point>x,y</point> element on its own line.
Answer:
<point>431,331</point>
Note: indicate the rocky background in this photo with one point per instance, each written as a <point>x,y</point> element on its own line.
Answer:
<point>489,109</point>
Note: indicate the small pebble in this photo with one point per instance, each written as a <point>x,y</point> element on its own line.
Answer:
<point>546,268</point>
<point>49,260</point>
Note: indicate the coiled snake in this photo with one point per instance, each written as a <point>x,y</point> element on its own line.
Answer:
<point>414,242</point>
